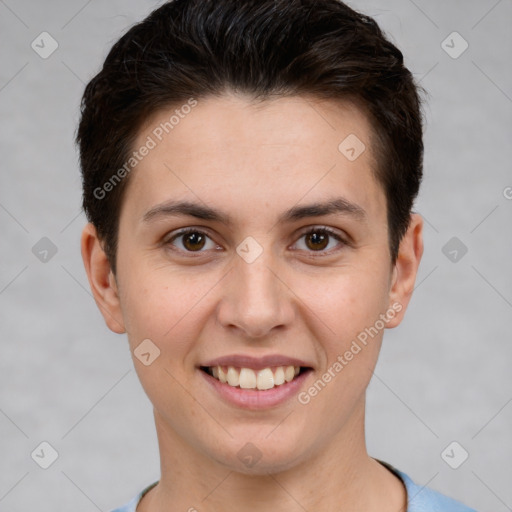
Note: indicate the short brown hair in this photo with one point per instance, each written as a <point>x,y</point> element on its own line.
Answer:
<point>266,48</point>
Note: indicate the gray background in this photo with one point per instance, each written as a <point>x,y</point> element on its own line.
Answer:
<point>444,374</point>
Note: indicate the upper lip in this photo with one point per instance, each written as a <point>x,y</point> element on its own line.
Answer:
<point>256,363</point>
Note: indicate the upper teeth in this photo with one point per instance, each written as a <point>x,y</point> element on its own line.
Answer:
<point>261,379</point>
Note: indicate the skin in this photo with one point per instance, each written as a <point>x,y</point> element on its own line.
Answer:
<point>254,161</point>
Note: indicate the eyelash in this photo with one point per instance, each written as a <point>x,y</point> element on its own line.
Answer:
<point>319,230</point>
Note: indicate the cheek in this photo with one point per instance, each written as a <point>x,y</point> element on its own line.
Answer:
<point>347,301</point>
<point>347,309</point>
<point>160,305</point>
<point>163,308</point>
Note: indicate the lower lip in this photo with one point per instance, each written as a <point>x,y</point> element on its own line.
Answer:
<point>254,399</point>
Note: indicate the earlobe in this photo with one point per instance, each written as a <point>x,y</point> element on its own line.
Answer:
<point>406,269</point>
<point>101,279</point>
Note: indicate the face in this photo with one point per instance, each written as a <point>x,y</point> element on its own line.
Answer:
<point>285,263</point>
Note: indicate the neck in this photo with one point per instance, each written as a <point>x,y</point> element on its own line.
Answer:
<point>337,473</point>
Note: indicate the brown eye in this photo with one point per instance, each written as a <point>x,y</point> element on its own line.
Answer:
<point>318,239</point>
<point>192,240</point>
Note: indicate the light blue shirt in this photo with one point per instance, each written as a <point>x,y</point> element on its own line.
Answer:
<point>419,499</point>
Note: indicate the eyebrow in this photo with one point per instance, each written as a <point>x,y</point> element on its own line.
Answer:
<point>337,206</point>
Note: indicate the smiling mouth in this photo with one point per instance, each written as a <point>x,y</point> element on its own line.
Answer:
<point>246,378</point>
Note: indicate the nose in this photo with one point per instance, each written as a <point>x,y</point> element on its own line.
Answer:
<point>255,299</point>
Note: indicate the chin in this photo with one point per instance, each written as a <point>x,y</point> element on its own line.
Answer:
<point>260,456</point>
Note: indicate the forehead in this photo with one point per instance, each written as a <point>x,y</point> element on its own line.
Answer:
<point>240,154</point>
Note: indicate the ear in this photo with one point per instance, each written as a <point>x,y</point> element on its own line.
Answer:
<point>406,269</point>
<point>101,279</point>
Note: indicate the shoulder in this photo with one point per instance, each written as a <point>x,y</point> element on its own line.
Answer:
<point>423,499</point>
<point>131,506</point>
